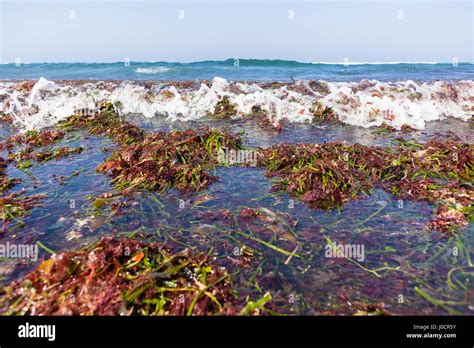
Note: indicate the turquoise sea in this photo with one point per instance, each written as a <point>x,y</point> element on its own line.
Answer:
<point>239,69</point>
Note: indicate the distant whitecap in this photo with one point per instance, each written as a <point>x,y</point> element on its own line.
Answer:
<point>151,71</point>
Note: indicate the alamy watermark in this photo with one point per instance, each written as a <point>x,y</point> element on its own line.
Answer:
<point>231,156</point>
<point>352,251</point>
<point>19,251</point>
<point>37,331</point>
<point>86,111</point>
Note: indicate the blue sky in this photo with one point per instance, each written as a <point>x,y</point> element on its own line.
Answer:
<point>47,31</point>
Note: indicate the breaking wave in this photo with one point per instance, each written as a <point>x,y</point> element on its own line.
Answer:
<point>365,103</point>
<point>156,70</point>
<point>374,63</point>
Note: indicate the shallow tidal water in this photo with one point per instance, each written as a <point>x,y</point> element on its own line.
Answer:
<point>401,261</point>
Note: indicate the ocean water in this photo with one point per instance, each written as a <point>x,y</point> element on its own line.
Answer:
<point>362,94</point>
<point>437,99</point>
<point>241,69</point>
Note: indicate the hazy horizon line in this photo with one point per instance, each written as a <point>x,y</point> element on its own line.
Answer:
<point>348,62</point>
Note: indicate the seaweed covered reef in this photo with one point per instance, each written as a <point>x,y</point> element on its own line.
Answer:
<point>157,161</point>
<point>327,175</point>
<point>253,258</point>
<point>164,161</point>
<point>122,277</point>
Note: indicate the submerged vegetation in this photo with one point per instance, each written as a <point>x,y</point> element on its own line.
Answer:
<point>5,182</point>
<point>327,175</point>
<point>32,138</point>
<point>122,277</point>
<point>13,206</point>
<point>24,157</point>
<point>386,128</point>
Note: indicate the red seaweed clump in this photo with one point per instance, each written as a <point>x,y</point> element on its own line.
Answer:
<point>386,128</point>
<point>42,156</point>
<point>448,218</point>
<point>264,119</point>
<point>324,114</point>
<point>57,153</point>
<point>105,122</point>
<point>15,206</point>
<point>25,144</point>
<point>5,182</point>
<point>122,277</point>
<point>6,118</point>
<point>156,161</point>
<point>437,172</point>
<point>249,213</point>
<point>322,175</point>
<point>448,160</point>
<point>320,87</point>
<point>329,174</point>
<point>163,161</point>
<point>224,109</point>
<point>33,138</point>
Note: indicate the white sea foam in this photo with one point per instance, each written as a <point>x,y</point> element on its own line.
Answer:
<point>373,63</point>
<point>365,103</point>
<point>151,71</point>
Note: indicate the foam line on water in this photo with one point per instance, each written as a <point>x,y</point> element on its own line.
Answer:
<point>365,103</point>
